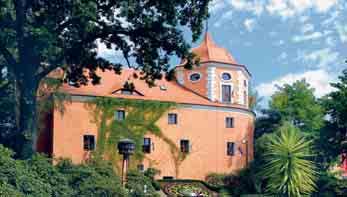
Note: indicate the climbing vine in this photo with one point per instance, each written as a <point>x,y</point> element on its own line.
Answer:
<point>141,118</point>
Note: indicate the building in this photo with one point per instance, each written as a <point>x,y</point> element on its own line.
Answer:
<point>212,123</point>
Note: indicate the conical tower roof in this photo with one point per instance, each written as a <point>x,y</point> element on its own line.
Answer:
<point>208,51</point>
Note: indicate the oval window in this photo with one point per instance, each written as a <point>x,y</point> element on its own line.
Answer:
<point>226,76</point>
<point>195,77</point>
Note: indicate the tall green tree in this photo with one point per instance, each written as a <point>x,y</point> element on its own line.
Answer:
<point>295,103</point>
<point>288,168</point>
<point>335,105</point>
<point>38,36</point>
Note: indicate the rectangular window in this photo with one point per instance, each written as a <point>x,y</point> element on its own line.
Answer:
<point>230,148</point>
<point>168,177</point>
<point>245,98</point>
<point>88,142</point>
<point>229,122</point>
<point>147,144</point>
<point>172,118</point>
<point>119,115</point>
<point>226,93</point>
<point>245,83</point>
<point>185,148</point>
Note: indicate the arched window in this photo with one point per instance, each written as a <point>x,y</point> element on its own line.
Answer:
<point>195,77</point>
<point>226,76</point>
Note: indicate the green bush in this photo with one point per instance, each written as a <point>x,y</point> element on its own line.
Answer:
<point>92,179</point>
<point>37,177</point>
<point>150,173</point>
<point>139,185</point>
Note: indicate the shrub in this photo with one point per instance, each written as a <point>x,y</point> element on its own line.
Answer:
<point>92,179</point>
<point>216,180</point>
<point>37,177</point>
<point>150,173</point>
<point>139,185</point>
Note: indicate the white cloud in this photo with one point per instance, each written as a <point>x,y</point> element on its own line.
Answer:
<point>307,28</point>
<point>331,41</point>
<point>256,7</point>
<point>333,16</point>
<point>322,58</point>
<point>279,43</point>
<point>313,36</point>
<point>324,5</point>
<point>109,54</point>
<point>216,5</point>
<point>249,24</point>
<point>342,31</point>
<point>289,8</point>
<point>227,15</point>
<point>318,79</point>
<point>283,56</point>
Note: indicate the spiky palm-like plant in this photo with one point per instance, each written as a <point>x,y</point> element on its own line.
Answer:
<point>288,169</point>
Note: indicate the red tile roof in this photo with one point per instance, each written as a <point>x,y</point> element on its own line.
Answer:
<point>208,51</point>
<point>111,82</point>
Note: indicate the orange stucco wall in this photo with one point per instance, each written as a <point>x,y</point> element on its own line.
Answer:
<point>203,126</point>
<point>199,86</point>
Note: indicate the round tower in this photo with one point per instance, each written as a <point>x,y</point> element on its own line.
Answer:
<point>219,77</point>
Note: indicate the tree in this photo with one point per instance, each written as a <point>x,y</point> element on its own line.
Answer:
<point>288,168</point>
<point>37,36</point>
<point>335,104</point>
<point>295,103</point>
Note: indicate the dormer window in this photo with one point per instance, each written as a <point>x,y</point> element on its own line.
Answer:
<point>226,76</point>
<point>126,92</point>
<point>195,77</point>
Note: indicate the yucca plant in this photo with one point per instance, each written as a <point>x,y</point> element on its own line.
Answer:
<point>288,168</point>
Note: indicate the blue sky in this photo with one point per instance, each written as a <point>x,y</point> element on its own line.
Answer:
<point>281,41</point>
<point>284,40</point>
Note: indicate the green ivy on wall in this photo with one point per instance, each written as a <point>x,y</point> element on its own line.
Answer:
<point>141,119</point>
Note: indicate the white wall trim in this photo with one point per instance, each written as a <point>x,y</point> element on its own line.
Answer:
<point>86,98</point>
<point>235,67</point>
<point>211,83</point>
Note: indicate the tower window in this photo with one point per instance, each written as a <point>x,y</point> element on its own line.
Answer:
<point>172,118</point>
<point>226,76</point>
<point>245,83</point>
<point>230,148</point>
<point>119,115</point>
<point>88,142</point>
<point>245,97</point>
<point>147,145</point>
<point>195,77</point>
<point>185,148</point>
<point>229,122</point>
<point>226,93</point>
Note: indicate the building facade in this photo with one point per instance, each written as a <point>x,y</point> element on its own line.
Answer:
<point>212,123</point>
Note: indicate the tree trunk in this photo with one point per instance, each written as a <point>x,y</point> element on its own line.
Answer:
<point>26,103</point>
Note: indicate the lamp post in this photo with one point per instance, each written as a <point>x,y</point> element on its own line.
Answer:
<point>245,142</point>
<point>126,147</point>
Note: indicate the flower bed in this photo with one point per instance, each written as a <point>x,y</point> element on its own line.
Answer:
<point>181,189</point>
